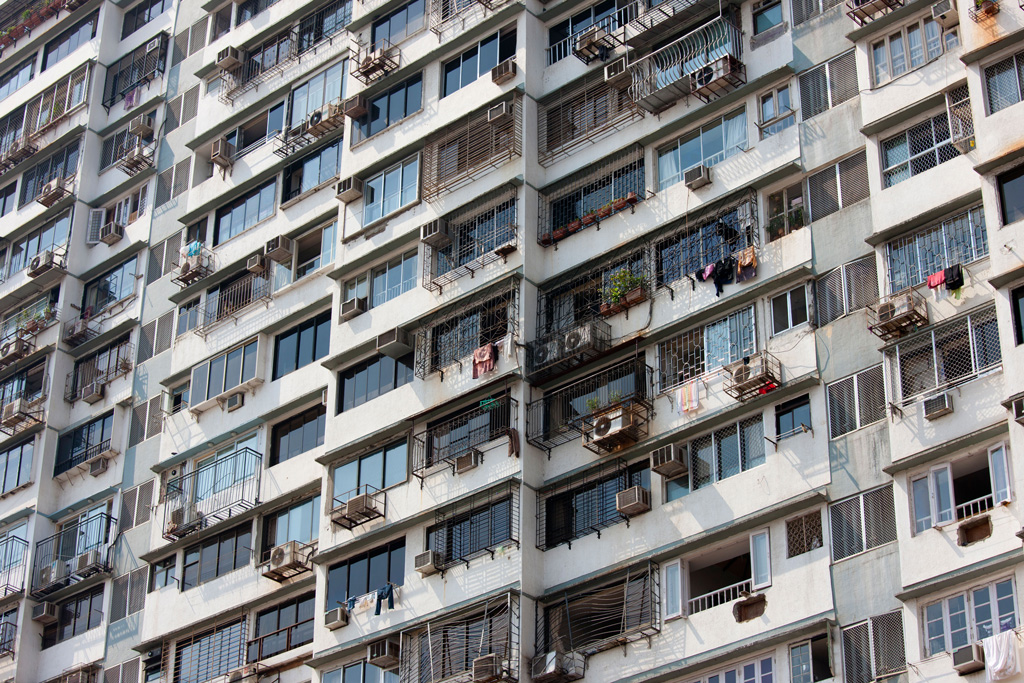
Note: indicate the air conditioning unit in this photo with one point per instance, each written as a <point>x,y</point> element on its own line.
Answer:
<point>635,500</point>
<point>336,618</point>
<point>577,339</point>
<point>556,667</point>
<point>14,349</point>
<point>383,653</point>
<point>590,41</point>
<point>247,672</point>
<point>256,264</point>
<point>487,668</point>
<point>98,467</point>
<point>355,107</point>
<point>14,413</point>
<point>41,263</point>
<point>669,461</point>
<point>1018,411</point>
<point>153,45</point>
<point>353,308</point>
<point>234,402</point>
<point>350,189</point>
<point>945,14</point>
<point>611,430</point>
<point>222,152</point>
<point>969,658</point>
<point>435,233</point>
<point>544,354</point>
<point>92,393</point>
<point>937,406</point>
<point>141,125</point>
<point>44,613</point>
<point>360,505</point>
<point>285,558</point>
<point>467,461</point>
<point>616,74</point>
<point>111,233</point>
<point>428,563</point>
<point>228,58</point>
<point>499,113</point>
<point>89,560</point>
<point>394,343</point>
<point>279,249</point>
<point>504,72</point>
<point>696,177</point>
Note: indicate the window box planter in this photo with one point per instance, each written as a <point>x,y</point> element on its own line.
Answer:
<point>620,204</point>
<point>574,226</point>
<point>546,240</point>
<point>606,210</point>
<point>588,219</point>
<point>561,233</point>
<point>632,199</point>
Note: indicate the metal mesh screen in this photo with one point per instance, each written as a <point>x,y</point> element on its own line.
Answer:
<point>143,511</point>
<point>197,36</point>
<point>961,120</point>
<point>912,258</point>
<point>838,186</point>
<point>156,257</point>
<point>155,421</point>
<point>887,639</point>
<point>137,427</point>
<point>823,193</point>
<point>119,598</point>
<point>807,9</point>
<point>164,329</point>
<point>870,395</point>
<point>190,104</point>
<point>857,654</point>
<point>842,78</point>
<point>1002,83</point>
<point>147,336</point>
<point>846,289</point>
<point>879,517</point>
<point>804,534</point>
<point>171,247</point>
<point>129,501</point>
<point>181,175</point>
<point>137,585</point>
<point>828,84</point>
<point>163,187</point>
<point>172,114</point>
<point>853,179</point>
<point>130,671</point>
<point>846,524</point>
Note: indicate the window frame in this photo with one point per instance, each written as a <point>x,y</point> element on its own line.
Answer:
<point>777,123</point>
<point>902,32</point>
<point>970,607</point>
<point>791,310</point>
<point>791,407</point>
<point>698,133</point>
<point>413,162</point>
<point>892,175</point>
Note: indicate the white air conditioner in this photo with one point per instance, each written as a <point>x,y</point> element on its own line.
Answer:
<point>153,45</point>
<point>945,13</point>
<point>499,113</point>
<point>279,249</point>
<point>353,308</point>
<point>14,413</point>
<point>89,560</point>
<point>141,125</point>
<point>435,233</point>
<point>222,152</point>
<point>428,563</point>
<point>937,406</point>
<point>635,500</point>
<point>696,177</point>
<point>256,264</point>
<point>383,653</point>
<point>969,658</point>
<point>669,461</point>
<point>616,73</point>
<point>355,107</point>
<point>555,667</point>
<point>284,559</point>
<point>350,189</point>
<point>362,505</point>
<point>44,613</point>
<point>228,58</point>
<point>14,349</point>
<point>41,263</point>
<point>467,461</point>
<point>92,393</point>
<point>336,618</point>
<point>394,343</point>
<point>487,668</point>
<point>247,672</point>
<point>234,402</point>
<point>589,41</point>
<point>1018,411</point>
<point>577,339</point>
<point>111,233</point>
<point>546,353</point>
<point>52,573</point>
<point>612,428</point>
<point>503,72</point>
<point>98,467</point>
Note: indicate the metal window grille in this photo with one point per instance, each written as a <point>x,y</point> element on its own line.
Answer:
<point>181,174</point>
<point>704,349</point>
<point>206,655</point>
<point>619,610</point>
<point>483,524</point>
<point>137,426</point>
<point>117,147</point>
<point>443,443</point>
<point>260,63</point>
<point>879,517</point>
<point>449,648</point>
<point>961,239</point>
<point>804,534</point>
<point>116,360</point>
<point>874,648</point>
<point>172,114</point>
<point>164,331</point>
<point>163,187</point>
<point>57,102</point>
<point>808,9</point>
<point>838,186</point>
<point>481,233</point>
<point>197,35</point>
<point>856,401</point>
<point>233,300</point>
<point>135,506</point>
<point>128,593</point>
<point>948,355</point>
<point>828,85</point>
<point>726,452</point>
<point>179,48</point>
<point>190,104</point>
<point>147,334</point>
<point>156,257</point>
<point>450,336</point>
<point>1004,84</point>
<point>448,17</point>
<point>126,672</point>
<point>581,113</point>
<point>846,289</point>
<point>134,71</point>
<point>862,522</point>
<point>961,121</point>
<point>465,149</point>
<point>916,150</point>
<point>172,248</point>
<point>155,420</point>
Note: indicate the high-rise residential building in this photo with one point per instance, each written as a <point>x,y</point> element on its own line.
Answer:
<point>511,341</point>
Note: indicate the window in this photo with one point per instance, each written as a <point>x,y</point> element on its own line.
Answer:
<point>226,470</point>
<point>969,617</point>
<point>958,490</point>
<point>672,579</point>
<point>173,182</point>
<point>914,151</point>
<point>141,14</point>
<point>100,368</point>
<point>179,398</point>
<point>863,522</point>
<point>792,417</point>
<point>874,649</point>
<point>760,560</point>
<point>400,24</point>
<point>16,466</point>
<point>391,190</point>
<point>69,41</point>
<point>848,288</point>
<point>715,579</point>
<point>75,616</point>
<point>385,282</point>
<point>224,372</point>
<point>217,556</point>
<point>128,593</point>
<point>134,71</point>
<point>42,308</point>
<point>583,507</point>
<point>136,504</point>
<point>360,672</point>
<point>726,452</point>
<point>16,78</point>
<point>594,188</point>
<point>298,434</point>
<point>211,654</point>
<point>8,630</point>
<point>605,14</point>
<point>82,443</point>
<point>776,106</point>
<point>905,50</point>
<point>257,130</point>
<point>710,144</point>
<point>704,349</point>
<point>958,240</point>
<point>810,661</point>
<point>313,250</point>
<point>580,111</point>
<point>464,536</point>
<point>53,235</point>
<point>677,487</point>
<point>312,171</point>
<point>808,9</point>
<point>7,199</point>
<point>301,345</point>
<point>789,310</point>
<point>124,212</point>
<point>828,85</point>
<point>61,164</point>
<point>855,402</point>
<point>188,316</point>
<point>767,15</point>
<point>457,337</point>
<point>803,534</point>
<point>326,22</point>
<point>379,469</point>
<point>162,573</point>
<point>1011,195</point>
<point>785,211</point>
<point>109,288</point>
<point>477,61</point>
<point>1004,82</point>
<point>372,378</point>
<point>838,186</point>
<point>365,573</point>
<point>710,240</point>
<point>389,107</point>
<point>282,628</point>
<point>327,86</point>
<point>299,522</point>
<point>1017,306</point>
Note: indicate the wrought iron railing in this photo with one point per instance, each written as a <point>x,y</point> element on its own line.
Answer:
<point>224,487</point>
<point>260,66</point>
<point>561,350</point>
<point>80,456</point>
<point>232,300</point>
<point>719,597</point>
<point>23,409</point>
<point>373,62</point>
<point>13,560</point>
<point>444,443</point>
<point>89,375</point>
<point>608,26</point>
<point>75,552</point>
<point>197,263</point>
<point>8,637</point>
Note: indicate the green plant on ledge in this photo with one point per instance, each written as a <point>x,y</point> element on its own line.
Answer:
<point>621,283</point>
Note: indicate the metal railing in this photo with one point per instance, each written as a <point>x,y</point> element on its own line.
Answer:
<point>442,444</point>
<point>863,12</point>
<point>135,158</point>
<point>719,597</point>
<point>26,409</point>
<point>358,506</point>
<point>79,330</point>
<point>30,320</point>
<point>258,64</point>
<point>89,374</point>
<point>373,62</point>
<point>197,263</point>
<point>567,46</point>
<point>8,637</point>
<point>223,488</point>
<point>753,376</point>
<point>80,456</point>
<point>57,103</point>
<point>13,559</point>
<point>78,550</point>
<point>133,71</point>
<point>975,507</point>
<point>563,349</point>
<point>232,300</point>
<point>897,314</point>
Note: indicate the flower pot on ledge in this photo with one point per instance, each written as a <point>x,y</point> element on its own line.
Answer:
<point>632,198</point>
<point>588,219</point>
<point>561,234</point>
<point>633,297</point>
<point>546,240</point>
<point>611,309</point>
<point>574,226</point>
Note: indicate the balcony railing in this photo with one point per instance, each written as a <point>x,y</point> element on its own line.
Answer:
<point>897,314</point>
<point>16,151</point>
<point>219,490</point>
<point>453,16</point>
<point>705,63</point>
<point>255,69</point>
<point>81,457</point>
<point>45,111</point>
<point>721,596</point>
<point>136,158</point>
<point>13,560</point>
<point>88,380</point>
<point>863,12</point>
<point>753,376</point>
<point>76,552</point>
<point>23,409</point>
<point>359,506</point>
<point>451,442</point>
<point>373,62</point>
<point>562,350</point>
<point>197,263</point>
<point>587,43</point>
<point>233,300</point>
<point>77,331</point>
<point>975,507</point>
<point>8,637</point>
<point>30,321</point>
<point>653,22</point>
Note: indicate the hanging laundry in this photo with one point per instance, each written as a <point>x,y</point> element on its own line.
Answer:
<point>364,603</point>
<point>483,360</point>
<point>723,274</point>
<point>1001,659</point>
<point>386,592</point>
<point>709,271</point>
<point>936,279</point>
<point>505,346</point>
<point>746,265</point>
<point>680,398</point>
<point>954,277</point>
<point>691,396</point>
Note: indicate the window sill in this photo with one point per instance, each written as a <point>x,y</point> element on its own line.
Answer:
<point>302,280</point>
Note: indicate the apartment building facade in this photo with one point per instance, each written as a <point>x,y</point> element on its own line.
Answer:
<point>451,340</point>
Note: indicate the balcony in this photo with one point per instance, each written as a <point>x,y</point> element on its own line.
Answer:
<point>258,66</point>
<point>324,120</point>
<point>704,63</point>
<point>197,263</point>
<point>359,506</point>
<point>609,410</point>
<point>459,15</point>
<point>31,321</point>
<point>8,637</point>
<point>78,551</point>
<point>87,382</point>
<point>84,457</point>
<point>23,410</point>
<point>449,542</point>
<point>586,44</point>
<point>863,12</point>
<point>375,61</point>
<point>219,490</point>
<point>137,158</point>
<point>13,558</point>
<point>455,442</point>
<point>654,22</point>
<point>57,103</point>
<point>897,314</point>
<point>30,19</point>
<point>233,300</point>
<point>753,376</point>
<point>562,350</point>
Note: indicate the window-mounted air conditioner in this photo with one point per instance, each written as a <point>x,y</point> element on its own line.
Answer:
<point>229,58</point>
<point>394,343</point>
<point>937,406</point>
<point>428,562</point>
<point>350,189</point>
<point>499,113</point>
<point>697,177</point>
<point>669,461</point>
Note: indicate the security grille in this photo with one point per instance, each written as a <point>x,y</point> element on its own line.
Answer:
<point>863,522</point>
<point>707,348</point>
<point>916,150</point>
<point>803,534</point>
<point>726,452</point>
<point>134,71</point>
<point>197,35</point>
<point>807,9</point>
<point>856,401</point>
<point>582,504</point>
<point>135,506</point>
<point>262,62</point>
<point>482,524</point>
<point>442,443</point>
<point>961,239</point>
<point>961,121</point>
<point>120,144</point>
<point>828,85</point>
<point>1004,83</point>
<point>128,593</point>
<point>874,648</point>
<point>838,186</point>
<point>846,289</point>
<point>57,102</point>
<point>208,654</point>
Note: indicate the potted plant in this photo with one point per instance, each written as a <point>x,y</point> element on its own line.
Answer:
<point>545,239</point>
<point>986,7</point>
<point>589,218</point>
<point>615,397</point>
<point>32,325</point>
<point>48,313</point>
<point>561,233</point>
<point>574,225</point>
<point>625,289</point>
<point>605,210</point>
<point>593,404</point>
<point>620,204</point>
<point>632,198</point>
